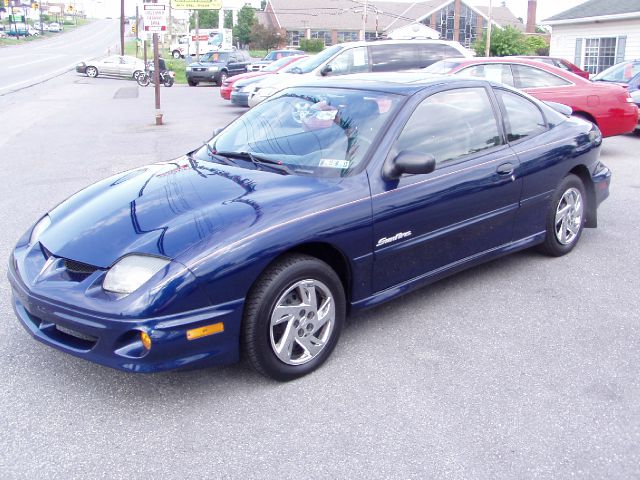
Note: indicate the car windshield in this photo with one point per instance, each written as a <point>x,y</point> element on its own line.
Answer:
<point>622,73</point>
<point>277,65</point>
<point>443,66</point>
<point>323,132</point>
<point>311,63</point>
<point>214,57</point>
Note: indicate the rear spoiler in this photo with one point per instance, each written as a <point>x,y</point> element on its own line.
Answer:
<point>560,108</point>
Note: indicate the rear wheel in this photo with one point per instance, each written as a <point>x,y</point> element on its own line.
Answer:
<point>293,317</point>
<point>176,54</point>
<point>223,77</point>
<point>168,81</point>
<point>566,217</point>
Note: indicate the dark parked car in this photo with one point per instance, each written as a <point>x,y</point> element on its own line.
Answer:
<point>324,200</point>
<point>272,57</point>
<point>216,67</point>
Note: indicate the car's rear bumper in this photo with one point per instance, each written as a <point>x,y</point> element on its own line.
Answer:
<point>116,343</point>
<point>240,99</point>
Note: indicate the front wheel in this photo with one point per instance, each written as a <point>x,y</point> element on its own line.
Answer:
<point>293,317</point>
<point>143,79</point>
<point>176,54</point>
<point>566,217</point>
<point>91,72</point>
<point>192,83</point>
<point>168,81</point>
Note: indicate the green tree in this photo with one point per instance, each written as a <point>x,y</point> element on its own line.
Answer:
<point>228,19</point>
<point>246,21</point>
<point>264,38</point>
<point>536,45</point>
<point>504,41</point>
<point>208,19</point>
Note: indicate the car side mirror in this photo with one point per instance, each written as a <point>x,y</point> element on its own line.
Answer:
<point>411,162</point>
<point>216,132</point>
<point>326,70</point>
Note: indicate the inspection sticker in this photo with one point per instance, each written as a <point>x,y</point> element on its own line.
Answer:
<point>331,163</point>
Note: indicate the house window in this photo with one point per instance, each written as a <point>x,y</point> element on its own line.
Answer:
<point>599,53</point>
<point>468,26</point>
<point>294,36</point>
<point>444,22</point>
<point>322,35</point>
<point>347,37</point>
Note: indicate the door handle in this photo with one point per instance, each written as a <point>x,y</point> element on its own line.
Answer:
<point>505,169</point>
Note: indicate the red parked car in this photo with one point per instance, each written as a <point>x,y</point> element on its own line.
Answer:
<point>561,63</point>
<point>273,67</point>
<point>610,107</point>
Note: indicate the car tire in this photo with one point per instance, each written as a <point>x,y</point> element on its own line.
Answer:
<point>176,54</point>
<point>565,218</point>
<point>136,74</point>
<point>91,71</point>
<point>279,338</point>
<point>223,77</point>
<point>192,83</point>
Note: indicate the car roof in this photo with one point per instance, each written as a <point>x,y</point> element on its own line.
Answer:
<point>403,83</point>
<point>517,61</point>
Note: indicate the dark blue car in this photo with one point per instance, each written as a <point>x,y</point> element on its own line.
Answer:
<point>322,201</point>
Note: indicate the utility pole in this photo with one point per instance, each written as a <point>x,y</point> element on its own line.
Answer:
<point>137,26</point>
<point>487,49</point>
<point>364,21</point>
<point>197,36</point>
<point>121,27</point>
<point>40,18</point>
<point>156,78</point>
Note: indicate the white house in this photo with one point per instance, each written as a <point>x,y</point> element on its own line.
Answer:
<point>597,33</point>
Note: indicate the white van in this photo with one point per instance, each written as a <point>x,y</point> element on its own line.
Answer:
<point>211,40</point>
<point>359,57</point>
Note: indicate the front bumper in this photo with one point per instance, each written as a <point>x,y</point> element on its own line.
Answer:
<point>81,68</point>
<point>204,76</point>
<point>240,99</point>
<point>115,342</point>
<point>225,92</point>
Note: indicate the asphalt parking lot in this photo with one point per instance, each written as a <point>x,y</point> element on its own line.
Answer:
<point>526,367</point>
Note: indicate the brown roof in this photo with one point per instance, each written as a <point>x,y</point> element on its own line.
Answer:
<point>502,16</point>
<point>347,14</point>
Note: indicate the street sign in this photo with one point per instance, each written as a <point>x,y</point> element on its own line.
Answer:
<point>196,4</point>
<point>154,17</point>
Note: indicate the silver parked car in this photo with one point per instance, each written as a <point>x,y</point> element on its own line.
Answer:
<point>119,65</point>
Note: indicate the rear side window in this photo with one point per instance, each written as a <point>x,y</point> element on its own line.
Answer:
<point>494,72</point>
<point>407,56</point>
<point>451,125</point>
<point>524,119</point>
<point>531,77</point>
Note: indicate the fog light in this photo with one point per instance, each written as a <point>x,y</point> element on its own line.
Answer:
<point>146,340</point>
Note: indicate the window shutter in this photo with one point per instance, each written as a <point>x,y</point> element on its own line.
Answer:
<point>577,59</point>
<point>622,44</point>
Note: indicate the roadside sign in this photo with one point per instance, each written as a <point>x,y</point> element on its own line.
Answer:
<point>196,4</point>
<point>155,17</point>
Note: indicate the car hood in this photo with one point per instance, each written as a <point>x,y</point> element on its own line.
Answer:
<point>166,209</point>
<point>206,64</point>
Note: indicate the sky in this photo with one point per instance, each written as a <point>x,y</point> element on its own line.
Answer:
<point>546,8</point>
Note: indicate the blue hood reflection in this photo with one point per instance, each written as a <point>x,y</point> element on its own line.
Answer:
<point>165,209</point>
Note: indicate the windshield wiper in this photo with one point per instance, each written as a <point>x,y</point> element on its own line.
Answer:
<point>219,156</point>
<point>257,160</point>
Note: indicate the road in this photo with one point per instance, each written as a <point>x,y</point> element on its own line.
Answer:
<point>34,62</point>
<point>526,367</point>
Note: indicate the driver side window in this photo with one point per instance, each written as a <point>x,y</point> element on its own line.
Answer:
<point>354,60</point>
<point>450,125</point>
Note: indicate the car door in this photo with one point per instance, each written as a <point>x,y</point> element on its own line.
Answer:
<point>110,65</point>
<point>125,67</point>
<point>234,64</point>
<point>426,223</point>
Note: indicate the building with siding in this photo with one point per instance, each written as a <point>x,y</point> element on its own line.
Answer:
<point>336,21</point>
<point>597,33</point>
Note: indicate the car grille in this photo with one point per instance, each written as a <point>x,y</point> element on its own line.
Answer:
<point>199,69</point>
<point>78,271</point>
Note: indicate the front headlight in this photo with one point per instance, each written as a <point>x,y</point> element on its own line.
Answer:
<point>131,272</point>
<point>38,228</point>
<point>188,69</point>
<point>635,96</point>
<point>213,69</point>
